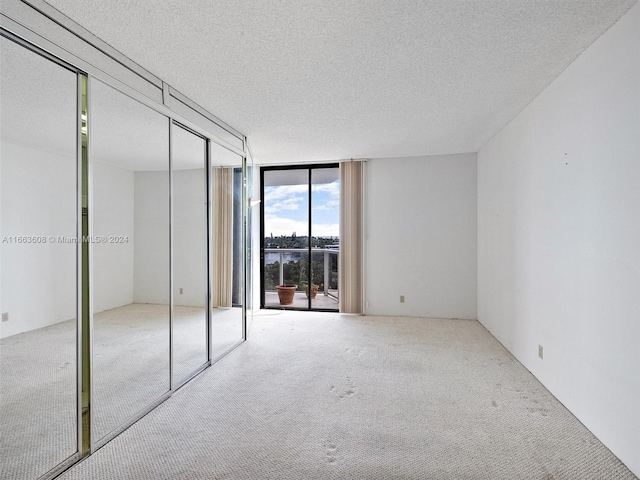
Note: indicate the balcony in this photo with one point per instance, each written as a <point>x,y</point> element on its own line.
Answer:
<point>289,266</point>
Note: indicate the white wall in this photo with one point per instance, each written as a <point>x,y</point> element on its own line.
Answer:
<point>152,247</point>
<point>189,237</point>
<point>151,250</point>
<point>38,191</point>
<point>38,199</point>
<point>1,229</point>
<point>421,236</point>
<point>559,237</point>
<point>113,215</point>
<point>151,238</point>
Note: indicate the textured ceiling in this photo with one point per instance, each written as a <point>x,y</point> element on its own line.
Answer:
<point>37,101</point>
<point>327,79</point>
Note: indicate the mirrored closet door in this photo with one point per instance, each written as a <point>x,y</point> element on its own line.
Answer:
<point>129,150</point>
<point>122,257</point>
<point>190,260</point>
<point>227,250</point>
<point>38,263</point>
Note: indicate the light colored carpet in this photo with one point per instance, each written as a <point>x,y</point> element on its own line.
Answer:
<point>325,396</point>
<point>37,400</point>
<point>131,370</point>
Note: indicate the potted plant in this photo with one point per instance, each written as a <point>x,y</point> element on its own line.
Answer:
<point>304,284</point>
<point>314,290</point>
<point>286,293</point>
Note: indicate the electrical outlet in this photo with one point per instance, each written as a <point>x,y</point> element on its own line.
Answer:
<point>541,351</point>
<point>401,298</point>
<point>5,317</point>
<point>181,291</point>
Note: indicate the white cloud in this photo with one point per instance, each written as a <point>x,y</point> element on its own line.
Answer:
<point>285,197</point>
<point>329,205</point>
<point>272,193</point>
<point>276,193</point>
<point>292,198</point>
<point>331,188</point>
<point>291,203</point>
<point>326,230</point>
<point>286,226</point>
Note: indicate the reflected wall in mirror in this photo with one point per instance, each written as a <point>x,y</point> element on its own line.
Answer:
<point>38,261</point>
<point>227,251</point>
<point>129,146</point>
<point>189,194</point>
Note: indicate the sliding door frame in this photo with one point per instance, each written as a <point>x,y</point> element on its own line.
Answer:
<point>309,168</point>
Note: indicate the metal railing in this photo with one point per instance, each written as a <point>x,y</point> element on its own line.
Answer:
<point>326,254</point>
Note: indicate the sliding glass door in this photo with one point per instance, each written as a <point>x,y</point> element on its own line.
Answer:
<point>325,231</point>
<point>300,237</point>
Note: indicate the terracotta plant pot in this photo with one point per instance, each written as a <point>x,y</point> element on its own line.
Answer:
<point>285,293</point>
<point>314,291</point>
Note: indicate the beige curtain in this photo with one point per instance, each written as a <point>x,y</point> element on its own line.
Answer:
<point>222,236</point>
<point>351,267</point>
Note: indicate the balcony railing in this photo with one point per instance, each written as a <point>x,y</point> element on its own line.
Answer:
<point>327,253</point>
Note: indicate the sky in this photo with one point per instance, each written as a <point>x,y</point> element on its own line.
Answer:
<point>286,209</point>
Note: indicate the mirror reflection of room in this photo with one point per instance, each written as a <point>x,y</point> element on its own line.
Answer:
<point>130,211</point>
<point>227,250</point>
<point>189,253</point>
<point>117,237</point>
<point>38,213</point>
